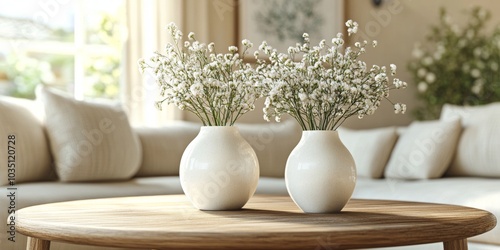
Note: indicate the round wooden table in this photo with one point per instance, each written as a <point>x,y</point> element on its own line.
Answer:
<point>266,222</point>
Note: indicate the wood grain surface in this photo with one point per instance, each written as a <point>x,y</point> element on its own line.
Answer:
<point>266,222</point>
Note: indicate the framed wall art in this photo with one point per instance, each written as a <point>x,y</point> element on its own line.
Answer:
<point>283,22</point>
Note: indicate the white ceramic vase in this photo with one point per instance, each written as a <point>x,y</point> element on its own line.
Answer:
<point>219,170</point>
<point>320,173</point>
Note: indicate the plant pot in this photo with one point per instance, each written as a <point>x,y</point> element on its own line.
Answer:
<point>320,173</point>
<point>219,170</point>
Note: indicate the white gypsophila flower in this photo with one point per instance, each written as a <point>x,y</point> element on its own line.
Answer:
<point>211,47</point>
<point>322,43</point>
<point>337,41</point>
<point>217,88</point>
<point>246,43</point>
<point>427,61</point>
<point>477,52</point>
<point>422,72</point>
<point>417,53</point>
<point>326,86</point>
<point>398,84</point>
<point>380,77</point>
<point>399,108</point>
<point>196,89</point>
<point>352,27</point>
<point>374,43</point>
<point>393,69</point>
<point>178,35</point>
<point>476,73</point>
<point>422,87</point>
<point>477,87</point>
<point>191,36</point>
<point>233,49</point>
<point>430,77</point>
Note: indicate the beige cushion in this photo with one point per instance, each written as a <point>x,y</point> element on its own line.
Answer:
<point>424,151</point>
<point>272,143</point>
<point>163,147</point>
<point>30,156</point>
<point>370,149</point>
<point>478,151</point>
<point>89,141</point>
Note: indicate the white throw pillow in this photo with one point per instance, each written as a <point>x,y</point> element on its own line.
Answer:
<point>24,153</point>
<point>89,141</point>
<point>424,151</point>
<point>370,149</point>
<point>478,151</point>
<point>162,148</point>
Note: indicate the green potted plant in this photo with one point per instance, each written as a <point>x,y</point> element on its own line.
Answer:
<point>457,64</point>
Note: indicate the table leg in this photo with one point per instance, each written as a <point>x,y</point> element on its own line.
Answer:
<point>455,245</point>
<point>37,244</point>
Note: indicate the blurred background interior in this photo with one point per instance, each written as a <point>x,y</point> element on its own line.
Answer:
<point>90,49</point>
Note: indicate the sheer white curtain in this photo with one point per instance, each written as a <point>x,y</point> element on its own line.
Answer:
<point>211,20</point>
<point>147,22</point>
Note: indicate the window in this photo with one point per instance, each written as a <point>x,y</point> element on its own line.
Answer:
<point>75,46</point>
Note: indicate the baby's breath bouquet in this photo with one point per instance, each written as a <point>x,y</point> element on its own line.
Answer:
<point>328,85</point>
<point>217,88</point>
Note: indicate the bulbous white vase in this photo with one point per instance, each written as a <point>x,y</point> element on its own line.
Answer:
<point>219,170</point>
<point>320,173</point>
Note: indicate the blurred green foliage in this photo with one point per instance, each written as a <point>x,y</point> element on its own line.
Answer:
<point>457,65</point>
<point>103,73</point>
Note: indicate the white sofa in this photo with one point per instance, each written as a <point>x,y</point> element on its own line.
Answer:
<point>161,149</point>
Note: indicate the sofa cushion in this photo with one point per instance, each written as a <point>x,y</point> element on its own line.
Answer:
<point>272,142</point>
<point>89,141</point>
<point>370,149</point>
<point>425,150</point>
<point>479,146</point>
<point>25,154</point>
<point>162,148</point>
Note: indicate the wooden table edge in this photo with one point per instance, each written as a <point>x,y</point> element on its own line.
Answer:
<point>38,241</point>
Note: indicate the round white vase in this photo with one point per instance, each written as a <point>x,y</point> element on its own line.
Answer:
<point>219,170</point>
<point>320,173</point>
